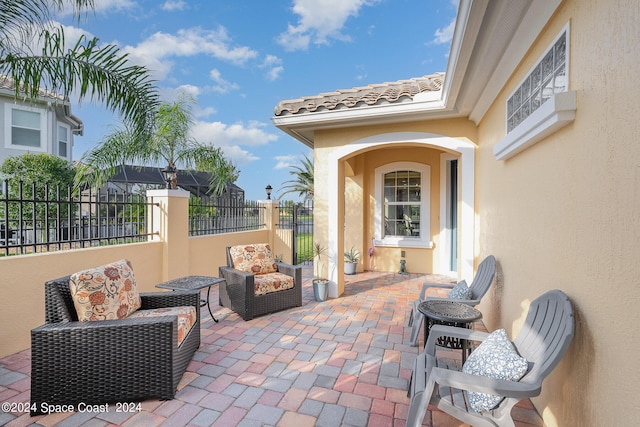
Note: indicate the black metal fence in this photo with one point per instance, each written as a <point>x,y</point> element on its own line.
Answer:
<point>43,218</point>
<point>219,215</point>
<point>299,218</point>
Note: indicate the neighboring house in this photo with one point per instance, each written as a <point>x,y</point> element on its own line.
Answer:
<point>45,125</point>
<point>527,149</point>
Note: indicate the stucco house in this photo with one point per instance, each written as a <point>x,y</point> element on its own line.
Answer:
<point>45,125</point>
<point>524,148</point>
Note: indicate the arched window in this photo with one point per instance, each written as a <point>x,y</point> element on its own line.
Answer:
<point>402,204</point>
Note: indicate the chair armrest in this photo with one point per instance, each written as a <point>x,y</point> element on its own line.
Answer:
<point>438,331</point>
<point>169,299</point>
<point>294,271</point>
<point>83,336</point>
<point>426,286</point>
<point>233,276</point>
<point>482,384</point>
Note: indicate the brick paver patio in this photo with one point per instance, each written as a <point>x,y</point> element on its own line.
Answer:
<point>342,362</point>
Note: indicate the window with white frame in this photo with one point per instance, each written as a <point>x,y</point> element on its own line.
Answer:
<point>402,204</point>
<point>25,128</point>
<point>63,141</point>
<point>548,77</point>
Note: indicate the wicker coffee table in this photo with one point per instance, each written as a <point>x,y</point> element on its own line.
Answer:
<point>451,313</point>
<point>188,283</point>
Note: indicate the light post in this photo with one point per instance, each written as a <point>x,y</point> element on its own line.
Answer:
<point>170,173</point>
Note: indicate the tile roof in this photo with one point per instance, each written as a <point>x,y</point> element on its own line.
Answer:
<point>8,83</point>
<point>373,94</point>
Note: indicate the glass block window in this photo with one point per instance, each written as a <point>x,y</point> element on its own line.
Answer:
<point>402,203</point>
<point>548,77</point>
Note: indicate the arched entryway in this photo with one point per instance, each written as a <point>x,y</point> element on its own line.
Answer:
<point>463,152</point>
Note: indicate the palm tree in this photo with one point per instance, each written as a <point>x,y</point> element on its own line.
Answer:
<point>87,70</point>
<point>169,143</point>
<point>303,181</point>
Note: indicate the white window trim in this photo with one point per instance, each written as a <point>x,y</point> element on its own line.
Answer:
<point>425,204</point>
<point>9,127</point>
<point>557,112</point>
<point>68,141</point>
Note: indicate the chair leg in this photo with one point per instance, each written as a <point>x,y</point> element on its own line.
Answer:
<point>421,389</point>
<point>411,318</point>
<point>416,323</point>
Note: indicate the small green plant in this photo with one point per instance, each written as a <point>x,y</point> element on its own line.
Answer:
<point>318,252</point>
<point>352,255</point>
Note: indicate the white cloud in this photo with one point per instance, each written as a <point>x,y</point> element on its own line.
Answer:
<point>285,162</point>
<point>232,138</point>
<point>445,35</point>
<point>319,22</point>
<point>171,5</point>
<point>155,51</point>
<point>222,86</point>
<point>274,67</point>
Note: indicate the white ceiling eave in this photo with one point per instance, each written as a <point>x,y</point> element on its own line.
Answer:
<point>303,126</point>
<point>514,27</point>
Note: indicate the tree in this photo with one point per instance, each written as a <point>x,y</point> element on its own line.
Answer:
<point>86,69</point>
<point>303,181</point>
<point>42,172</point>
<point>168,144</point>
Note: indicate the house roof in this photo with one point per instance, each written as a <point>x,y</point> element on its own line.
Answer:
<point>8,84</point>
<point>490,39</point>
<point>373,94</point>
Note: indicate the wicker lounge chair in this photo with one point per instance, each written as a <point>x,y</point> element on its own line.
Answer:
<point>479,287</point>
<point>238,292</point>
<point>97,362</point>
<point>542,341</point>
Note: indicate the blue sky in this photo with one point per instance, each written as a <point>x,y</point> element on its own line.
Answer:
<point>240,58</point>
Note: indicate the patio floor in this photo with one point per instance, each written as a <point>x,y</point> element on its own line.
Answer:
<point>342,362</point>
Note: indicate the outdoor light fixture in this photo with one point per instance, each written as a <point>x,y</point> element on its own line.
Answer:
<point>170,173</point>
<point>269,188</point>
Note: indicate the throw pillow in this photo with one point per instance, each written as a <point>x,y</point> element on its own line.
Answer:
<point>460,291</point>
<point>495,358</point>
<point>254,258</point>
<point>105,292</point>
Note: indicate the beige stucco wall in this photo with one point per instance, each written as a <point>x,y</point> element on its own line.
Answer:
<point>565,214</point>
<point>358,169</point>
<point>22,277</point>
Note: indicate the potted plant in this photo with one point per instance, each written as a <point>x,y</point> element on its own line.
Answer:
<point>351,258</point>
<point>319,284</point>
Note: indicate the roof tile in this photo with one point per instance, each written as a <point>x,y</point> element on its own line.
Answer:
<point>373,94</point>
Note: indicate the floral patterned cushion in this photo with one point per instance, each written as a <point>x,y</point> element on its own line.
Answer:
<point>460,291</point>
<point>272,282</point>
<point>254,258</point>
<point>494,358</point>
<point>186,317</point>
<point>105,292</point>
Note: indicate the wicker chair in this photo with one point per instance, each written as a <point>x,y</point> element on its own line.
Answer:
<point>126,360</point>
<point>238,291</point>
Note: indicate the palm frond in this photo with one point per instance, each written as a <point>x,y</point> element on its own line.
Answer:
<point>101,73</point>
<point>303,182</point>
